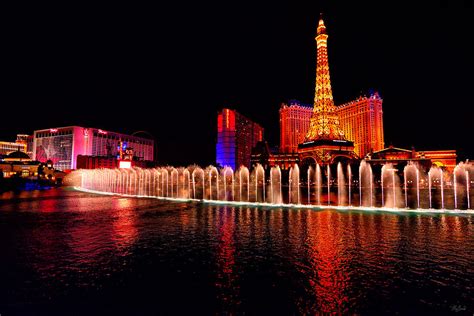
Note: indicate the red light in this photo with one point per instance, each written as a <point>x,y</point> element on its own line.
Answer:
<point>219,123</point>
<point>53,130</point>
<point>125,164</point>
<point>102,132</point>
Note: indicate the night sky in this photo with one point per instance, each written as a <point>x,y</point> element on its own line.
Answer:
<point>169,69</point>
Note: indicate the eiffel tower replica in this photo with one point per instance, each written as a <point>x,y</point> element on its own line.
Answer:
<point>325,142</point>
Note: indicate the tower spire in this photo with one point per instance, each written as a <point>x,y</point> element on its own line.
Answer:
<point>324,122</point>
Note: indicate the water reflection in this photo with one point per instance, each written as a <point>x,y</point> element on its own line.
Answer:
<point>125,232</point>
<point>226,279</point>
<point>328,277</point>
<point>343,262</point>
<point>66,245</point>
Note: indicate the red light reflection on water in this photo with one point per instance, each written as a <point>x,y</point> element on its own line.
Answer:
<point>91,237</point>
<point>125,230</point>
<point>325,244</point>
<point>226,282</point>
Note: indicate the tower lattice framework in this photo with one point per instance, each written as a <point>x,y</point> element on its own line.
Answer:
<point>324,123</point>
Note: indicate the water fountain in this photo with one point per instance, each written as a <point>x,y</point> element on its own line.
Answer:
<point>213,174</point>
<point>198,173</point>
<point>228,179</point>
<point>242,186</point>
<point>243,178</point>
<point>294,185</point>
<point>187,182</point>
<point>391,191</point>
<point>349,176</point>
<point>366,185</point>
<point>329,183</point>
<point>309,178</point>
<point>461,186</point>
<point>319,184</point>
<point>275,186</point>
<point>411,175</point>
<point>259,180</point>
<point>341,186</point>
<point>174,182</point>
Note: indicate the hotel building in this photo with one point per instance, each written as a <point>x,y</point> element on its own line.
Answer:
<point>294,124</point>
<point>62,145</point>
<point>361,121</point>
<point>236,136</point>
<point>23,143</point>
<point>399,157</point>
<point>8,147</point>
<point>27,140</point>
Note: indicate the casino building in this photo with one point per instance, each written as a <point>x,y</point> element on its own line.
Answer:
<point>294,124</point>
<point>236,136</point>
<point>445,159</point>
<point>361,121</point>
<point>62,145</point>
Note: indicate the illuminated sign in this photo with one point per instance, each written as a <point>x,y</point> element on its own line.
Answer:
<point>102,132</point>
<point>125,164</point>
<point>53,130</point>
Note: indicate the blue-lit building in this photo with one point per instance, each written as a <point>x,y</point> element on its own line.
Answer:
<point>236,136</point>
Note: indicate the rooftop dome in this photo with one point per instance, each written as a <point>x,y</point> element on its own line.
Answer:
<point>17,155</point>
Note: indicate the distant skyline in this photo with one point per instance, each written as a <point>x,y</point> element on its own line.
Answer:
<point>114,67</point>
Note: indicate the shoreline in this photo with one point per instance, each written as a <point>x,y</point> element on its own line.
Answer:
<point>291,206</point>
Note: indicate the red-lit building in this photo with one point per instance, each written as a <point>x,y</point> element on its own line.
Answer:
<point>236,136</point>
<point>294,124</point>
<point>441,158</point>
<point>96,162</point>
<point>361,121</point>
<point>445,159</point>
<point>324,132</point>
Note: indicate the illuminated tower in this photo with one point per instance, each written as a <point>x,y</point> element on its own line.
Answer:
<point>324,121</point>
<point>325,140</point>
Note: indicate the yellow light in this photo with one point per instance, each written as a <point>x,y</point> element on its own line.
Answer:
<point>125,164</point>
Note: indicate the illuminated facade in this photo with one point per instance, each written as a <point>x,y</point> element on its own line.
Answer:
<point>27,140</point>
<point>18,163</point>
<point>8,147</point>
<point>95,162</point>
<point>294,124</point>
<point>236,136</point>
<point>441,158</point>
<point>445,159</point>
<point>62,145</point>
<point>324,140</point>
<point>362,123</point>
<point>23,143</point>
<point>261,154</point>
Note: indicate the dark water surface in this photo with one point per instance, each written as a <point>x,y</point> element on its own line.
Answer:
<point>70,253</point>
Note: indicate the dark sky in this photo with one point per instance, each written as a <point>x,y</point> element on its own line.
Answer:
<point>168,69</point>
